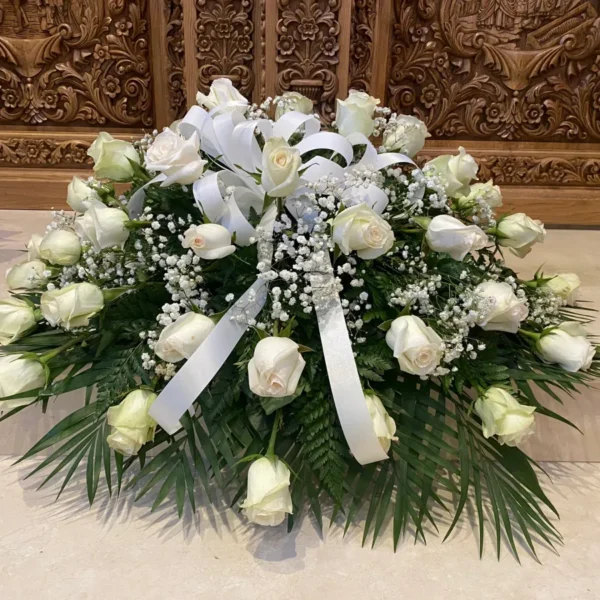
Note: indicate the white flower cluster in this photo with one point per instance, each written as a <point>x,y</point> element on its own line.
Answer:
<point>458,316</point>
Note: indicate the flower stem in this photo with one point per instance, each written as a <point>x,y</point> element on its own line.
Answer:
<point>530,334</point>
<point>272,440</point>
<point>48,356</point>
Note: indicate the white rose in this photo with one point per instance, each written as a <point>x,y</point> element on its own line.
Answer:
<point>132,426</point>
<point>293,101</point>
<point>417,347</point>
<point>111,158</point>
<point>18,375</point>
<point>520,233</point>
<point>73,305</point>
<point>16,317</point>
<point>181,339</point>
<point>280,164</point>
<point>275,369</point>
<point>355,114</point>
<point>269,500</point>
<point>565,285</point>
<point>502,415</point>
<point>209,241</point>
<point>103,226</point>
<point>26,276</point>
<point>505,311</point>
<point>33,246</point>
<point>456,171</point>
<point>384,425</point>
<point>60,247</point>
<point>79,195</point>
<point>405,134</point>
<point>175,157</point>
<point>447,234</point>
<point>360,228</point>
<point>222,94</point>
<point>486,192</point>
<point>568,347</point>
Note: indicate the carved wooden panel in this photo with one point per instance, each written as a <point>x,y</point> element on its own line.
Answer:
<point>225,43</point>
<point>43,152</point>
<point>515,81</point>
<point>176,58</point>
<point>499,69</point>
<point>361,44</point>
<point>308,50</point>
<point>64,62</point>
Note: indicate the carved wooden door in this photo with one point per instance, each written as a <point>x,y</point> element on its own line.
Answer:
<point>515,81</point>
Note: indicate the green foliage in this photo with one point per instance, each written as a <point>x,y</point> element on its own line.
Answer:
<point>439,465</point>
<point>322,445</point>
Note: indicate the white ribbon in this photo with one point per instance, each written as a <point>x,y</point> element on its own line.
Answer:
<point>202,367</point>
<point>231,212</point>
<point>344,380</point>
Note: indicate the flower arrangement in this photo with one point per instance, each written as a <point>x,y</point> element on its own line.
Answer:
<point>281,311</point>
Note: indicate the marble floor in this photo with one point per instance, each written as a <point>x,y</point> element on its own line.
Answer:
<point>119,550</point>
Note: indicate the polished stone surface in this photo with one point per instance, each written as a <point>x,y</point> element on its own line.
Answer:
<point>117,550</point>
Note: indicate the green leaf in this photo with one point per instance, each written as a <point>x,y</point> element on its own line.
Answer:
<point>81,446</point>
<point>72,469</point>
<point>66,428</point>
<point>166,488</point>
<point>313,498</point>
<point>209,452</point>
<point>94,466</point>
<point>180,486</point>
<point>157,462</point>
<point>518,464</point>
<point>189,481</point>
<point>270,405</point>
<point>106,455</point>
<point>120,470</point>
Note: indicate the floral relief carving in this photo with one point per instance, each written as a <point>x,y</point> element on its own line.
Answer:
<point>65,62</point>
<point>361,44</point>
<point>176,58</point>
<point>43,152</point>
<point>307,50</point>
<point>525,70</point>
<point>531,170</point>
<point>224,42</point>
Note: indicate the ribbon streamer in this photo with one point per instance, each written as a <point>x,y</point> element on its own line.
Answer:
<point>204,364</point>
<point>344,380</point>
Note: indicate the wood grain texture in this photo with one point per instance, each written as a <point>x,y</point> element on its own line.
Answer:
<point>159,64</point>
<point>190,68</point>
<point>563,251</point>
